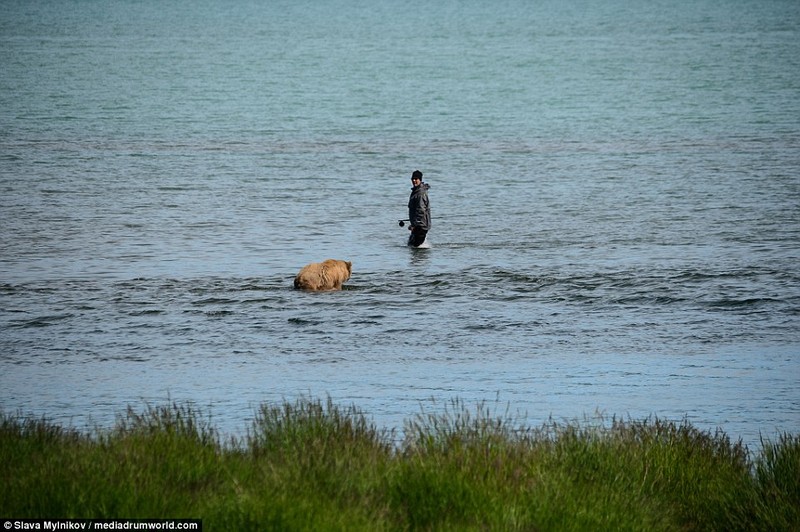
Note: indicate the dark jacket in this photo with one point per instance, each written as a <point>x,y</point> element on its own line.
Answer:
<point>419,209</point>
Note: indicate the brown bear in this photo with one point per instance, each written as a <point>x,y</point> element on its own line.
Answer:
<point>328,275</point>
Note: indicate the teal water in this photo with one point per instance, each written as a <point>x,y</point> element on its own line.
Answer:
<point>615,191</point>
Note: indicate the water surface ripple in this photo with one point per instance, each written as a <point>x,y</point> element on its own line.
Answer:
<point>615,192</point>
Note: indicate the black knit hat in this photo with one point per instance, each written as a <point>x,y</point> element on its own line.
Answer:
<point>416,175</point>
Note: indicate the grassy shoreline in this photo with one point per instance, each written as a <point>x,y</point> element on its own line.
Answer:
<point>313,465</point>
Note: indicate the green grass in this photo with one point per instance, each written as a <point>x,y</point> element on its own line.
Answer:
<point>313,465</point>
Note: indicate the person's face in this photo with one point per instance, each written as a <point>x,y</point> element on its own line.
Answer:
<point>415,181</point>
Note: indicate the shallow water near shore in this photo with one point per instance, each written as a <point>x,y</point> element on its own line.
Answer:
<point>615,195</point>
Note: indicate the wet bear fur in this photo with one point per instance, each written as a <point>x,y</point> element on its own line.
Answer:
<point>327,275</point>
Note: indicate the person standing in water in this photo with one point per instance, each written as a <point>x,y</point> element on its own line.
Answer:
<point>419,210</point>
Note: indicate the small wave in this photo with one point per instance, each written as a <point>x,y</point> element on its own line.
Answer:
<point>303,321</point>
<point>147,312</point>
<point>40,321</point>
<point>7,288</point>
<point>648,299</point>
<point>736,304</point>
<point>176,188</point>
<point>492,326</point>
<point>219,313</point>
<point>216,301</point>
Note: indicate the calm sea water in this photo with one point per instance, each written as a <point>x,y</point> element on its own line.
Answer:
<point>615,190</point>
